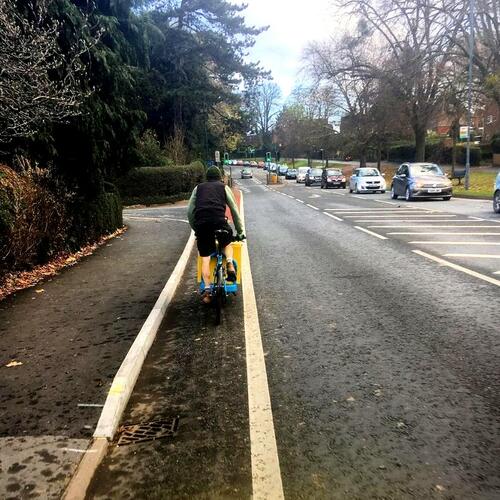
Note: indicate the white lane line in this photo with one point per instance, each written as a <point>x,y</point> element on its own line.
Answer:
<point>371,232</point>
<point>339,194</point>
<point>465,270</point>
<point>496,272</point>
<point>266,474</point>
<point>383,216</point>
<point>333,216</point>
<point>392,213</point>
<point>379,209</point>
<point>415,226</point>
<point>312,206</point>
<point>359,197</point>
<point>89,405</point>
<point>473,255</point>
<point>475,218</point>
<point>388,202</point>
<point>300,201</point>
<point>441,233</point>
<point>404,219</point>
<point>484,243</point>
<point>159,218</point>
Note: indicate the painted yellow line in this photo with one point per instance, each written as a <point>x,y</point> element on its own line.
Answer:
<point>266,474</point>
<point>484,243</point>
<point>312,206</point>
<point>371,232</point>
<point>465,270</point>
<point>473,255</point>
<point>333,216</point>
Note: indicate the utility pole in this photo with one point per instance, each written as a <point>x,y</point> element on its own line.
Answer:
<point>469,93</point>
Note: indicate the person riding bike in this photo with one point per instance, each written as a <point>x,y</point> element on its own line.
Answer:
<point>206,214</point>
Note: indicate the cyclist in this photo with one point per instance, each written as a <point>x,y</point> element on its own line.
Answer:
<point>206,214</point>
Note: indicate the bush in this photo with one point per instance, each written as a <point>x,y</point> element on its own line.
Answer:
<point>150,185</point>
<point>495,144</point>
<point>435,152</point>
<point>90,219</point>
<point>33,219</point>
<point>148,152</point>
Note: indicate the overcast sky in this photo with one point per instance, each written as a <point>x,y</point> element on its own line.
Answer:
<point>292,25</point>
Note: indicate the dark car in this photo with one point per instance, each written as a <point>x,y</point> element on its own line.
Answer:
<point>291,173</point>
<point>246,173</point>
<point>282,169</point>
<point>313,176</point>
<point>421,180</point>
<point>333,177</point>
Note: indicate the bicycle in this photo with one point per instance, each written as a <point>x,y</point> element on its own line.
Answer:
<point>220,288</point>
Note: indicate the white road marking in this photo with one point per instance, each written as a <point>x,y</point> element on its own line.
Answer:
<point>266,474</point>
<point>333,216</point>
<point>430,216</point>
<point>391,213</point>
<point>404,219</point>
<point>371,232</point>
<point>315,196</point>
<point>159,218</point>
<point>496,272</point>
<point>465,270</point>
<point>357,196</point>
<point>484,243</point>
<point>434,225</point>
<point>90,405</point>
<point>78,450</point>
<point>378,209</point>
<point>475,218</point>
<point>446,234</point>
<point>312,206</point>
<point>473,255</point>
<point>388,202</point>
<point>300,201</point>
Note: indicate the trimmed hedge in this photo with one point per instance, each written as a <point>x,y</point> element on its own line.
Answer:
<point>435,152</point>
<point>90,219</point>
<point>150,185</point>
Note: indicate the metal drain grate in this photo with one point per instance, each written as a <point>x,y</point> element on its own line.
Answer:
<point>147,431</point>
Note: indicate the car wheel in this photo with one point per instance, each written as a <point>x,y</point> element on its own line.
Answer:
<point>408,196</point>
<point>350,190</point>
<point>394,196</point>
<point>383,191</point>
<point>446,198</point>
<point>496,202</point>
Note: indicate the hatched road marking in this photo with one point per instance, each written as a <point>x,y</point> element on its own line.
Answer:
<point>465,270</point>
<point>415,226</point>
<point>333,216</point>
<point>388,202</point>
<point>444,234</point>
<point>312,206</point>
<point>484,243</point>
<point>371,232</point>
<point>266,474</point>
<point>473,255</point>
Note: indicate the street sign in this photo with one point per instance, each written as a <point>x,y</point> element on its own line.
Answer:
<point>463,133</point>
<point>217,156</point>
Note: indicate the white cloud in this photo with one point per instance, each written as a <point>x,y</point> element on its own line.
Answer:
<point>292,26</point>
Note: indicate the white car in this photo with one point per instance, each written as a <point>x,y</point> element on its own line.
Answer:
<point>301,174</point>
<point>367,180</point>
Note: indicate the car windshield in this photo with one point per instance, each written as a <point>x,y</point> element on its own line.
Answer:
<point>334,172</point>
<point>246,170</point>
<point>303,170</point>
<point>369,172</point>
<point>429,169</point>
<point>315,171</point>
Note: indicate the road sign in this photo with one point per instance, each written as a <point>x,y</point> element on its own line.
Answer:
<point>217,156</point>
<point>463,133</point>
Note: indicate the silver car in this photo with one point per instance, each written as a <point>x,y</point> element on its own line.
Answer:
<point>366,180</point>
<point>301,174</point>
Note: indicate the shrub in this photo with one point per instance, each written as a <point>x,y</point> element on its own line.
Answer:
<point>149,185</point>
<point>495,144</point>
<point>435,152</point>
<point>90,219</point>
<point>148,152</point>
<point>33,219</point>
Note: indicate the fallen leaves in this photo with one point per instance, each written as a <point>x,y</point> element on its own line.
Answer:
<point>15,282</point>
<point>13,363</point>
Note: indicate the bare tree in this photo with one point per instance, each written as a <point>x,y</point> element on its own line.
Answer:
<point>39,83</point>
<point>262,101</point>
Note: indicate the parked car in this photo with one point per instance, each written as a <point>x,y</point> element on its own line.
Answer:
<point>291,173</point>
<point>333,177</point>
<point>421,180</point>
<point>366,180</point>
<point>253,163</point>
<point>273,167</point>
<point>246,173</point>
<point>496,195</point>
<point>260,164</point>
<point>313,176</point>
<point>301,174</point>
<point>282,169</point>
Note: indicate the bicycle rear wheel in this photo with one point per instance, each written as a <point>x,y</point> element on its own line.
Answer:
<point>219,295</point>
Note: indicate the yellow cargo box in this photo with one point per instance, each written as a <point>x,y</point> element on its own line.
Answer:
<point>236,256</point>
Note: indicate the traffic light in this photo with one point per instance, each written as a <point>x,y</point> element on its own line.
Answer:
<point>268,156</point>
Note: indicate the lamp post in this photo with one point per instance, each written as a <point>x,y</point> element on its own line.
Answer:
<point>469,93</point>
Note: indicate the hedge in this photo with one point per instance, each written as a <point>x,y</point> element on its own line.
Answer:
<point>435,152</point>
<point>149,185</point>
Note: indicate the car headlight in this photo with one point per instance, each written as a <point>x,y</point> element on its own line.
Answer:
<point>418,185</point>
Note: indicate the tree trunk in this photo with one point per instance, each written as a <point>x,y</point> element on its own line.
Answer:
<point>420,133</point>
<point>379,156</point>
<point>362,159</point>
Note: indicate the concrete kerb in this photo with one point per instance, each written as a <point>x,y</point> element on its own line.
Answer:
<point>124,382</point>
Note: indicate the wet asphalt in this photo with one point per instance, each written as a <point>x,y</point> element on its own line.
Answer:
<point>382,367</point>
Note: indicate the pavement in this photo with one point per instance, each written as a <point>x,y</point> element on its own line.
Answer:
<point>71,334</point>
